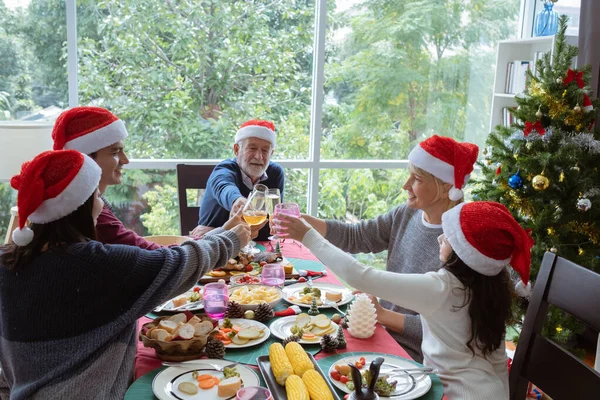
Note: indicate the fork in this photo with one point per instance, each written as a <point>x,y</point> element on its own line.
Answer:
<point>163,305</point>
<point>186,306</point>
<point>334,305</point>
<point>198,363</point>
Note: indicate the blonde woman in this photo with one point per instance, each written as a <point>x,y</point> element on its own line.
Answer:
<point>439,168</point>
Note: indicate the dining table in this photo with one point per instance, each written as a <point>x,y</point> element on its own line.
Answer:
<point>147,365</point>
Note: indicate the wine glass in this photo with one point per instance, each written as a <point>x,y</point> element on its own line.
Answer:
<point>273,275</point>
<point>273,198</point>
<point>254,213</point>
<point>259,187</point>
<point>287,209</point>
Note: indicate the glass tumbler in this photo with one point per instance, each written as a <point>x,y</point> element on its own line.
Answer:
<point>254,393</point>
<point>273,275</point>
<point>216,299</point>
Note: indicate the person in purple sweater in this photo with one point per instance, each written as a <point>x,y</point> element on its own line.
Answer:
<point>232,180</point>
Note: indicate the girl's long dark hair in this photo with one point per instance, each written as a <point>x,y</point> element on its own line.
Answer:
<point>75,227</point>
<point>490,304</point>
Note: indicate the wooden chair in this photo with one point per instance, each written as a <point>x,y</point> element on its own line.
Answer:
<point>558,373</point>
<point>190,177</point>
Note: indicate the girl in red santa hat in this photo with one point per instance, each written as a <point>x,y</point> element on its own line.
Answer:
<point>70,304</point>
<point>438,170</point>
<point>464,306</point>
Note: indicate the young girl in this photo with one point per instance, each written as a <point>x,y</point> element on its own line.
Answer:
<point>70,304</point>
<point>464,306</point>
<point>439,167</point>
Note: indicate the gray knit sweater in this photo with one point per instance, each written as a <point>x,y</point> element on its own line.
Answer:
<point>412,248</point>
<point>68,321</point>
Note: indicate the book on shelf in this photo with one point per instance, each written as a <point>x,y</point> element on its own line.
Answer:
<point>507,117</point>
<point>516,76</point>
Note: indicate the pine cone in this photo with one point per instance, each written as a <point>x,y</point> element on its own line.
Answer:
<point>234,310</point>
<point>329,343</point>
<point>215,349</point>
<point>291,338</point>
<point>340,338</point>
<point>263,313</point>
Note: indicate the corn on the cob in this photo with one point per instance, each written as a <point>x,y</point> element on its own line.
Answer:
<point>316,385</point>
<point>295,389</point>
<point>280,365</point>
<point>298,358</point>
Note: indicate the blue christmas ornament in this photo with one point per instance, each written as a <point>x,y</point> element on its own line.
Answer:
<point>515,181</point>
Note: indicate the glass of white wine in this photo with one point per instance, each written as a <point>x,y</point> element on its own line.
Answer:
<point>273,198</point>
<point>255,213</point>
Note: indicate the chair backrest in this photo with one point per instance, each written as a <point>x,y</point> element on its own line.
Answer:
<point>190,177</point>
<point>538,360</point>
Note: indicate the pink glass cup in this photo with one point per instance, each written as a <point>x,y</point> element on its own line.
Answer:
<point>254,393</point>
<point>287,209</point>
<point>273,275</point>
<point>216,299</point>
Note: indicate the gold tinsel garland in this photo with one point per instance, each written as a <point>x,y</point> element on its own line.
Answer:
<point>585,228</point>
<point>516,202</point>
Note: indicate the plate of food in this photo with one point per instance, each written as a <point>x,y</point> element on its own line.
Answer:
<point>238,333</point>
<point>198,380</point>
<point>251,264</point>
<point>302,294</point>
<point>392,382</point>
<point>245,279</point>
<point>249,297</point>
<point>308,329</point>
<point>190,301</point>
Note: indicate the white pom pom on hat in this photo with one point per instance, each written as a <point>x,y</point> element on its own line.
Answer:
<point>52,186</point>
<point>448,160</point>
<point>522,289</point>
<point>22,237</point>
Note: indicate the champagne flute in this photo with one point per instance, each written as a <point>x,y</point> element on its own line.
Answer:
<point>273,198</point>
<point>254,213</point>
<point>259,187</point>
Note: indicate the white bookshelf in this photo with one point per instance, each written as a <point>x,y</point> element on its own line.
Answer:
<point>509,51</point>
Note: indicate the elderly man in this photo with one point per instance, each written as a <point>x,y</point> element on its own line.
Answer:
<point>233,180</point>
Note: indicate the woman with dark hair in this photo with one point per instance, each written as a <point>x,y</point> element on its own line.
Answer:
<point>464,306</point>
<point>69,303</point>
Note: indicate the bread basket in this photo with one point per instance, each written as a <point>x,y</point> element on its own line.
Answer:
<point>175,350</point>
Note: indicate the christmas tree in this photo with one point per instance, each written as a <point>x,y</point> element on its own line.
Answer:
<point>544,168</point>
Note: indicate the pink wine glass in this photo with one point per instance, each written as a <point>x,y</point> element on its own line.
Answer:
<point>216,299</point>
<point>287,209</point>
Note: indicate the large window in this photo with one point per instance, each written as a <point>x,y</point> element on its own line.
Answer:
<point>184,74</point>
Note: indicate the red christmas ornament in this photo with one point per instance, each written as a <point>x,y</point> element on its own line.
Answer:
<point>498,170</point>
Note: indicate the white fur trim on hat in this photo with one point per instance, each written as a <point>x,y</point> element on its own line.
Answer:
<point>22,237</point>
<point>72,197</point>
<point>463,249</point>
<point>257,131</point>
<point>523,290</point>
<point>98,139</point>
<point>438,168</point>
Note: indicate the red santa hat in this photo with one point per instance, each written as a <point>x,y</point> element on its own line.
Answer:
<point>487,238</point>
<point>446,159</point>
<point>587,103</point>
<point>264,130</point>
<point>52,186</point>
<point>87,129</point>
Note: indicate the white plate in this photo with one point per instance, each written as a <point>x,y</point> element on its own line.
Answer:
<point>297,288</point>
<point>247,323</point>
<point>282,328</point>
<point>407,387</point>
<point>165,383</point>
<point>169,307</point>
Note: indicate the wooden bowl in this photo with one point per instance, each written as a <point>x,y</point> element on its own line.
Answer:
<point>167,240</point>
<point>176,350</point>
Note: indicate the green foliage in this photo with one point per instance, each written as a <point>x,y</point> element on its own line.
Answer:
<point>162,219</point>
<point>565,153</point>
<point>7,200</point>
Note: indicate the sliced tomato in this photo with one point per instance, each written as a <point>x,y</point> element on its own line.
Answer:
<point>362,361</point>
<point>197,289</point>
<point>344,379</point>
<point>335,375</point>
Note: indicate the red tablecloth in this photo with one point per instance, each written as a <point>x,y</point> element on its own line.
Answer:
<point>381,341</point>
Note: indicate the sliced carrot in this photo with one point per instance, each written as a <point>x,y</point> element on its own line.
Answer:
<point>236,328</point>
<point>204,377</point>
<point>217,380</point>
<point>207,383</point>
<point>225,330</point>
<point>226,341</point>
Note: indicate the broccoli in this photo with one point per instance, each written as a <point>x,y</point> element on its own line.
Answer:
<point>316,292</point>
<point>384,388</point>
<point>306,290</point>
<point>227,323</point>
<point>230,372</point>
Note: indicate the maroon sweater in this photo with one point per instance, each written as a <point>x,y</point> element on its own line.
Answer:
<point>110,230</point>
